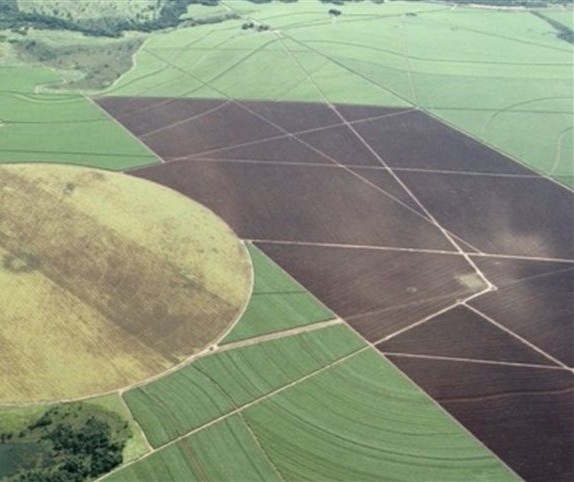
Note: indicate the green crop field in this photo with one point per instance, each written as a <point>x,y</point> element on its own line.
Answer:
<point>271,310</point>
<point>43,127</point>
<point>217,384</point>
<point>489,73</point>
<point>282,396</point>
<point>504,74</point>
<point>357,420</point>
<point>388,434</point>
<point>226,451</point>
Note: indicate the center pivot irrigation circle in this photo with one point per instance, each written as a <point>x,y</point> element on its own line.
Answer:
<point>107,280</point>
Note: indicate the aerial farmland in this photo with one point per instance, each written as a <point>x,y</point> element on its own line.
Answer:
<point>281,240</point>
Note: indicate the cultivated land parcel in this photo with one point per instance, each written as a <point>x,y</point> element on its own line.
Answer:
<point>406,165</point>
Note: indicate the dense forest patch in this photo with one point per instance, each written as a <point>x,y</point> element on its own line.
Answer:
<point>71,442</point>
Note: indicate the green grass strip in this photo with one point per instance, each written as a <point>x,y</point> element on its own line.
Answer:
<point>225,451</point>
<point>217,384</point>
<point>363,420</point>
<point>278,303</point>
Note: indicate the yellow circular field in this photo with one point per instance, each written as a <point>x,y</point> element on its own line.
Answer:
<point>107,280</point>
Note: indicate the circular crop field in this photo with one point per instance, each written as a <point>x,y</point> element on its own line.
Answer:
<point>107,280</point>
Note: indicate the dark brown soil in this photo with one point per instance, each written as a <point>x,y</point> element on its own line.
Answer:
<point>504,272</point>
<point>494,204</point>
<point>295,116</point>
<point>415,140</point>
<point>540,309</point>
<point>298,203</point>
<point>462,333</point>
<point>145,114</point>
<point>342,145</point>
<point>378,292</point>
<point>384,179</point>
<point>525,415</point>
<point>219,128</point>
<point>284,149</point>
<point>517,216</point>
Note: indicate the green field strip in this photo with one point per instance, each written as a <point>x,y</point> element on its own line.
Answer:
<point>277,312</point>
<point>363,420</point>
<point>60,128</point>
<point>278,302</point>
<point>224,451</point>
<point>270,277</point>
<point>217,384</point>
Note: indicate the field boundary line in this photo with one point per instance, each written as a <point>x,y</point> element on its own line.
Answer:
<point>558,149</point>
<point>277,335</point>
<point>238,410</point>
<point>532,393</point>
<point>536,276</point>
<point>523,257</point>
<point>432,315</point>
<point>124,128</point>
<point>354,246</point>
<point>431,399</point>
<point>258,161</point>
<point>454,173</point>
<point>518,337</point>
<point>440,119</point>
<point>286,134</point>
<point>473,360</point>
<point>430,217</point>
<point>383,311</point>
<point>397,53</point>
<point>407,58</point>
<point>258,443</point>
<point>523,164</point>
<point>243,310</point>
<point>349,170</point>
<point>361,167</point>
<point>183,121</point>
